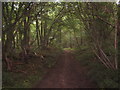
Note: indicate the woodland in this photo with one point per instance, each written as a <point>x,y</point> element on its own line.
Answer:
<point>35,35</point>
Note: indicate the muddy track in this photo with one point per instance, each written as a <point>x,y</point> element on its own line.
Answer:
<point>67,73</point>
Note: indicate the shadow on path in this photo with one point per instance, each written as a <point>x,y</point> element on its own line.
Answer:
<point>67,73</point>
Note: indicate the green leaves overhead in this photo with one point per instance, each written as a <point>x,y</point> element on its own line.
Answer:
<point>49,21</point>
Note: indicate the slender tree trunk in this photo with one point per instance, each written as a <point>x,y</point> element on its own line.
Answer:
<point>116,47</point>
<point>41,35</point>
<point>60,37</point>
<point>70,40</point>
<point>118,33</point>
<point>37,31</point>
<point>76,39</point>
<point>45,30</point>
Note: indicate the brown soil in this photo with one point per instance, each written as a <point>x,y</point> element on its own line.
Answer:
<point>67,73</point>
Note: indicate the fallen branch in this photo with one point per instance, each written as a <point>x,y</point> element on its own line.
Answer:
<point>20,71</point>
<point>107,59</point>
<point>18,63</point>
<point>100,59</point>
<point>9,64</point>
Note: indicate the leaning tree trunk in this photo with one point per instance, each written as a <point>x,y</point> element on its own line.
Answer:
<point>118,33</point>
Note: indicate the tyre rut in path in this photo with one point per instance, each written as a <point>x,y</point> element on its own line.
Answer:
<point>67,73</point>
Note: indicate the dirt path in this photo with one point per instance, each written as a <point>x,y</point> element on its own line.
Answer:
<point>68,73</point>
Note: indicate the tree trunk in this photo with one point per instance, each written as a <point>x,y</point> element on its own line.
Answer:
<point>37,31</point>
<point>118,33</point>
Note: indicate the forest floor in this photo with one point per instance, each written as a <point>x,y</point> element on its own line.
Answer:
<point>67,73</point>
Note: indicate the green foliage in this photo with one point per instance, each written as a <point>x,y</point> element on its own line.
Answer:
<point>7,79</point>
<point>19,80</point>
<point>109,83</point>
<point>50,62</point>
<point>104,78</point>
<point>84,55</point>
<point>51,57</point>
<point>47,28</point>
<point>28,81</point>
<point>68,48</point>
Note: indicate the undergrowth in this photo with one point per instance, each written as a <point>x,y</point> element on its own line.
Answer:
<point>103,77</point>
<point>35,70</point>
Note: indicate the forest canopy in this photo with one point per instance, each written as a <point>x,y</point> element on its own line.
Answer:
<point>41,25</point>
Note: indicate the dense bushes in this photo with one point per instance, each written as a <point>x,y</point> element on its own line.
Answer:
<point>104,78</point>
<point>26,75</point>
